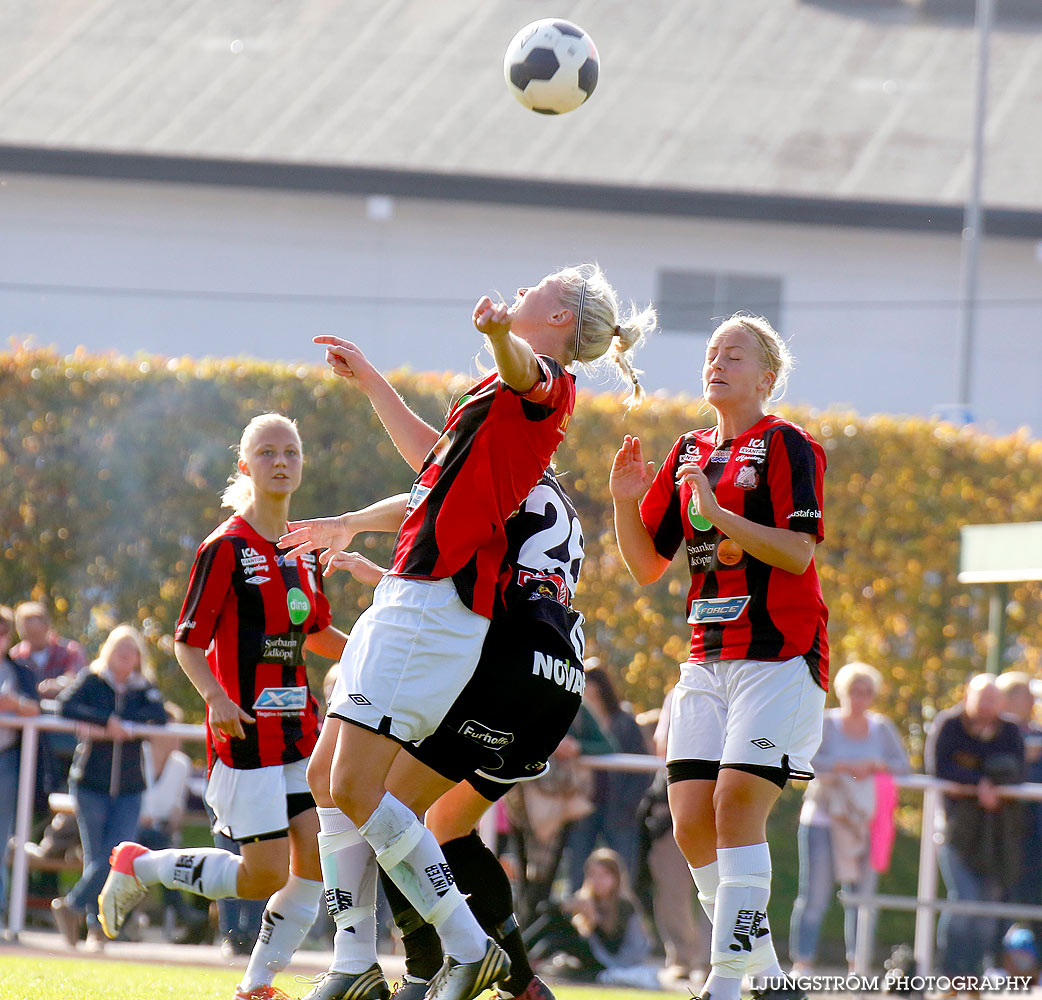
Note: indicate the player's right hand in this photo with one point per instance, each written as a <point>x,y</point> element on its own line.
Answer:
<point>348,361</point>
<point>492,318</point>
<point>316,533</point>
<point>630,475</point>
<point>226,719</point>
<point>362,569</point>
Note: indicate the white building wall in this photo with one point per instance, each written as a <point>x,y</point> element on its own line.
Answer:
<point>173,270</point>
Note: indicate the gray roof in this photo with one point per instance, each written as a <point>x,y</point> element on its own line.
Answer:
<point>851,100</point>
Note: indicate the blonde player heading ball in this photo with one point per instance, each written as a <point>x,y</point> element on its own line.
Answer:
<point>745,499</point>
<point>417,646</point>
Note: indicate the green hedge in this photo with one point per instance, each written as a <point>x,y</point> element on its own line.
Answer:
<point>111,468</point>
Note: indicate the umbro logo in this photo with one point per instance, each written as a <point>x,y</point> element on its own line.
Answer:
<point>359,699</point>
<point>763,744</point>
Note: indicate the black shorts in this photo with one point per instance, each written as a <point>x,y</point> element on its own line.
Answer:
<point>512,714</point>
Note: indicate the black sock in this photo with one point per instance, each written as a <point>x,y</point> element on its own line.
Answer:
<point>480,876</point>
<point>423,955</point>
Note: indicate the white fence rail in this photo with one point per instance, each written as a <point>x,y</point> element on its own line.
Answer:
<point>925,903</point>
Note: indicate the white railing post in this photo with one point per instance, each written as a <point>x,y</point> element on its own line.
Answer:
<point>22,825</point>
<point>926,890</point>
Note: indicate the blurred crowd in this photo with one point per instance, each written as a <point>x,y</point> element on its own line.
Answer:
<point>602,889</point>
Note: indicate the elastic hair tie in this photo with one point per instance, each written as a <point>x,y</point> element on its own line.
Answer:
<point>579,319</point>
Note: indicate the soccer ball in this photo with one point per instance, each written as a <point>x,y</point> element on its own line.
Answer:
<point>551,66</point>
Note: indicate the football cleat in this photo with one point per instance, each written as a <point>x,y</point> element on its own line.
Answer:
<point>122,890</point>
<point>466,980</point>
<point>410,989</point>
<point>535,990</point>
<point>265,992</point>
<point>368,985</point>
<point>792,992</point>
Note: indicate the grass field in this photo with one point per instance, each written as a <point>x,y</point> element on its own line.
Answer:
<point>80,979</point>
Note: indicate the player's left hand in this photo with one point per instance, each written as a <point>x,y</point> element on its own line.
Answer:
<point>702,493</point>
<point>316,533</point>
<point>492,318</point>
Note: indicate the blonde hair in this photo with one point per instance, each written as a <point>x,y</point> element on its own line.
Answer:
<point>1013,680</point>
<point>605,332</point>
<point>777,358</point>
<point>238,494</point>
<point>120,632</point>
<point>856,671</point>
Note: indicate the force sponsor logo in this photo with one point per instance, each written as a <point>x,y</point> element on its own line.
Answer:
<point>562,672</point>
<point>804,513</point>
<point>282,701</point>
<point>756,449</point>
<point>417,495</point>
<point>480,733</point>
<point>720,457</point>
<point>716,609</point>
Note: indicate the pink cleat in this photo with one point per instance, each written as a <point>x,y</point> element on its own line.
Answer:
<point>122,890</point>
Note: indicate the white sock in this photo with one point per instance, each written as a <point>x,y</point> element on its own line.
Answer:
<point>349,876</point>
<point>740,916</point>
<point>205,871</point>
<point>707,878</point>
<point>287,918</point>
<point>410,855</point>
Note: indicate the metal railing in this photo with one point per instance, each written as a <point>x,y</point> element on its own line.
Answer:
<point>925,903</point>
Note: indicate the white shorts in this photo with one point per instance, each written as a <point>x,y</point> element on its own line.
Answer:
<point>746,712</point>
<point>250,804</point>
<point>408,658</point>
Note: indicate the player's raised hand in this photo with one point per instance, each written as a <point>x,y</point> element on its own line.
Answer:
<point>348,361</point>
<point>316,533</point>
<point>492,318</point>
<point>701,492</point>
<point>362,569</point>
<point>226,719</point>
<point>630,475</point>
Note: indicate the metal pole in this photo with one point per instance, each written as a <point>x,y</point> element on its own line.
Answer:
<point>997,600</point>
<point>23,823</point>
<point>972,217</point>
<point>927,888</point>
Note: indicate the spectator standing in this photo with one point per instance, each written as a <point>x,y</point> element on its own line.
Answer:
<point>107,777</point>
<point>980,855</point>
<point>17,697</point>
<point>54,660</point>
<point>1018,703</point>
<point>616,794</point>
<point>833,837</point>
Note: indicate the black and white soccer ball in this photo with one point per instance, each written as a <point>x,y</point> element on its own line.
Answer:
<point>551,66</point>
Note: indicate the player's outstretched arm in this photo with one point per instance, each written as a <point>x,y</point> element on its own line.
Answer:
<point>516,363</point>
<point>412,436</point>
<point>329,642</point>
<point>362,569</point>
<point>336,533</point>
<point>628,482</point>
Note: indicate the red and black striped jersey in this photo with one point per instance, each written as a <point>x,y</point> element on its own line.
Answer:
<point>739,607</point>
<point>251,611</point>
<point>493,449</point>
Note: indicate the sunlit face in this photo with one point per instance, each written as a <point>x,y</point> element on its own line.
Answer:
<point>983,702</point>
<point>602,881</point>
<point>34,629</point>
<point>734,372</point>
<point>532,307</point>
<point>274,460</point>
<point>124,659</point>
<point>859,695</point>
